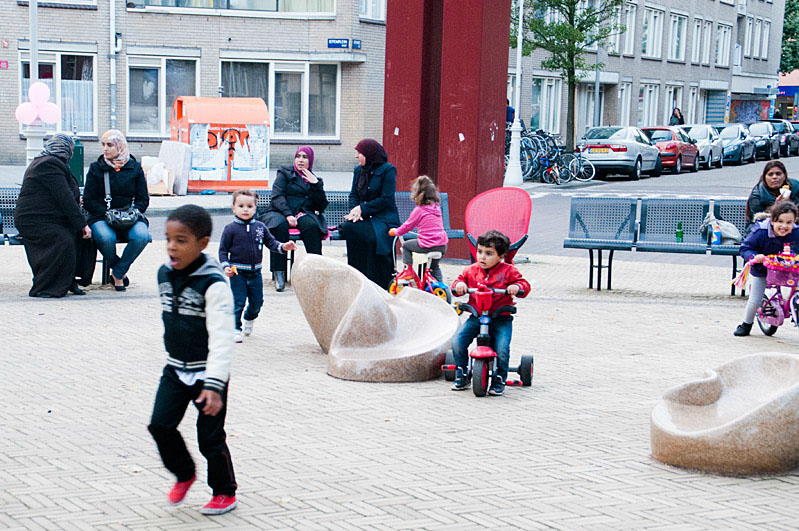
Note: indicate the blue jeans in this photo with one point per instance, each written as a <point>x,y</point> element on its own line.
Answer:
<point>500,329</point>
<point>106,240</point>
<point>247,285</point>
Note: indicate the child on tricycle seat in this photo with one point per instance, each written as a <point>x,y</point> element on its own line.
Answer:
<point>491,271</point>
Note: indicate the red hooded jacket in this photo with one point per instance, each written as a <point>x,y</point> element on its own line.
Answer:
<point>500,276</point>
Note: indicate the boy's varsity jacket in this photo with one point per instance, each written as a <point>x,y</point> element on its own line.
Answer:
<point>197,309</point>
<point>242,244</point>
<point>500,276</point>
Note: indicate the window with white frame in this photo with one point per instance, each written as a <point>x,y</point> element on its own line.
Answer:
<point>625,95</point>
<point>706,41</point>
<point>652,36</point>
<point>648,105</point>
<point>766,31</point>
<point>374,9</point>
<point>723,36</point>
<point>696,45</point>
<point>624,41</point>
<point>677,37</point>
<point>153,85</point>
<point>673,101</point>
<point>303,97</point>
<point>756,35</point>
<point>553,16</point>
<point>278,6</point>
<point>750,22</point>
<point>550,97</point>
<point>71,80</point>
<point>693,101</point>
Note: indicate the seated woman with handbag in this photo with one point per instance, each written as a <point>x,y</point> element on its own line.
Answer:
<point>115,196</point>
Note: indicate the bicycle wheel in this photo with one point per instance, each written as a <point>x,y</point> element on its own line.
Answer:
<point>566,174</point>
<point>767,313</point>
<point>582,169</point>
<point>443,293</point>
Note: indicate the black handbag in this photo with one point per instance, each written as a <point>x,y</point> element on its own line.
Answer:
<point>119,218</point>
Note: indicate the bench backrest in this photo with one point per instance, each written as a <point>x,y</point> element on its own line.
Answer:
<point>603,218</point>
<point>659,219</point>
<point>8,202</point>
<point>732,210</point>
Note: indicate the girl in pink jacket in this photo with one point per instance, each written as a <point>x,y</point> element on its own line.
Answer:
<point>429,222</point>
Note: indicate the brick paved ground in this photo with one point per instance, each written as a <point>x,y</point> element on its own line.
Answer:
<point>312,452</point>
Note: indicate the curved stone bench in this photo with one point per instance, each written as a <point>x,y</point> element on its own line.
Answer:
<point>741,418</point>
<point>369,335</point>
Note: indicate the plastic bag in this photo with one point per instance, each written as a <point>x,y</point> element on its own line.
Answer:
<point>157,173</point>
<point>730,235</point>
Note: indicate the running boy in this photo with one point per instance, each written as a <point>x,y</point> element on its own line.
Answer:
<point>241,252</point>
<point>767,237</point>
<point>198,329</point>
<point>493,272</point>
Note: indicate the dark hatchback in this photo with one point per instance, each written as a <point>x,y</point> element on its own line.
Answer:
<point>789,142</point>
<point>739,146</point>
<point>767,140</point>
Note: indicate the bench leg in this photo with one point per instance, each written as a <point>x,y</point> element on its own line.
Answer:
<point>291,264</point>
<point>734,273</point>
<point>599,270</point>
<point>106,277</point>
<point>590,268</point>
<point>610,266</point>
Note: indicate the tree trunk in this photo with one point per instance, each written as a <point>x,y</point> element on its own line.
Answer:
<point>572,83</point>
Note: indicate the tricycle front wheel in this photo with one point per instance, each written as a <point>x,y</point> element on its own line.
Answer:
<point>480,370</point>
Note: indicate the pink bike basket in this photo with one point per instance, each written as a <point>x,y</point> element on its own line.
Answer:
<point>783,270</point>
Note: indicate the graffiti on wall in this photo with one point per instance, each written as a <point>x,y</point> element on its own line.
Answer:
<point>749,110</point>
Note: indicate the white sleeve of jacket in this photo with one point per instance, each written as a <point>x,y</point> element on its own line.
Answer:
<point>219,323</point>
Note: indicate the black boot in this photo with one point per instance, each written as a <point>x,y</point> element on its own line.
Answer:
<point>76,290</point>
<point>280,280</point>
<point>743,329</point>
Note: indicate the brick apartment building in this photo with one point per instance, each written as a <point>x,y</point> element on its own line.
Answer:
<point>318,64</point>
<point>716,60</point>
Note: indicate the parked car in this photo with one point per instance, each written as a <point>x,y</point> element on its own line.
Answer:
<point>739,146</point>
<point>708,141</point>
<point>767,140</point>
<point>617,149</point>
<point>789,142</point>
<point>677,149</point>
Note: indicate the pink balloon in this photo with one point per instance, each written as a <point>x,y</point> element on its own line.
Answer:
<point>38,93</point>
<point>49,113</point>
<point>26,113</point>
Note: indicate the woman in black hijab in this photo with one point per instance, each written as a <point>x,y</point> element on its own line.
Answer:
<point>49,220</point>
<point>373,212</point>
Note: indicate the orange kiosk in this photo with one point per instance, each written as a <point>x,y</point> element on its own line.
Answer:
<point>229,139</point>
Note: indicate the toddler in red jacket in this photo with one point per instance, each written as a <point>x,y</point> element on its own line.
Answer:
<point>491,270</point>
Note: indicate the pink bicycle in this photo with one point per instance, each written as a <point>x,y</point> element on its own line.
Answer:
<point>783,272</point>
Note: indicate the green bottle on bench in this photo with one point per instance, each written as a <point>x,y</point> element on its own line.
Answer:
<point>678,234</point>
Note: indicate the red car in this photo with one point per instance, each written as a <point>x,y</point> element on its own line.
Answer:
<point>677,149</point>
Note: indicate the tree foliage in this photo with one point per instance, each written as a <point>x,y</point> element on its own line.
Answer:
<point>790,38</point>
<point>566,29</point>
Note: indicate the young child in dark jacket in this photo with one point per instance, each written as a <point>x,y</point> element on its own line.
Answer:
<point>241,252</point>
<point>766,237</point>
<point>198,327</point>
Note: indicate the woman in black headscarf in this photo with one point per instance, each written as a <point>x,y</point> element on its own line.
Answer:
<point>49,220</point>
<point>373,212</point>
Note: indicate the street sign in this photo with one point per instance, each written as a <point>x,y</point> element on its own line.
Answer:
<point>338,43</point>
<point>3,65</point>
<point>356,44</point>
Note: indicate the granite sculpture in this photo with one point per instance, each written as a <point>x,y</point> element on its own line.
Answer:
<point>369,335</point>
<point>741,418</point>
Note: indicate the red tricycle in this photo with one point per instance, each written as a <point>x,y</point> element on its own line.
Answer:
<point>482,359</point>
<point>424,280</point>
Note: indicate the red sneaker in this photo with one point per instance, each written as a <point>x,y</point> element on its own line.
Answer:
<point>178,492</point>
<point>219,504</point>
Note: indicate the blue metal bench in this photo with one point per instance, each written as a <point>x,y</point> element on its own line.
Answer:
<point>601,223</point>
<point>659,219</point>
<point>8,202</point>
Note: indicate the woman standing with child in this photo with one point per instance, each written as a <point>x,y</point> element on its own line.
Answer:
<point>298,202</point>
<point>427,216</point>
<point>128,186</point>
<point>373,211</point>
<point>768,189</point>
